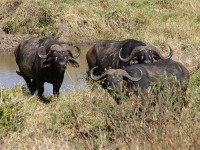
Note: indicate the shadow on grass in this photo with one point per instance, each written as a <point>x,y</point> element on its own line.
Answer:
<point>45,100</point>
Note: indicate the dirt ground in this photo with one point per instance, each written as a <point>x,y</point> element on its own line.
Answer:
<point>9,41</point>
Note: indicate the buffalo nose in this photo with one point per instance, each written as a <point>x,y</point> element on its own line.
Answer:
<point>62,65</point>
<point>147,61</point>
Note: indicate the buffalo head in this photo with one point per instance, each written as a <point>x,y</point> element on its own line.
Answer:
<point>57,57</point>
<point>112,80</point>
<point>145,54</point>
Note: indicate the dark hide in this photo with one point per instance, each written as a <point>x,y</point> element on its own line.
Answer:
<point>43,60</point>
<point>104,54</point>
<point>150,75</point>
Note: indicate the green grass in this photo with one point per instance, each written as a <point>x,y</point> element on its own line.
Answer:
<point>86,119</point>
<point>153,21</point>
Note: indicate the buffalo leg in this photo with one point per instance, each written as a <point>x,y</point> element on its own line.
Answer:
<point>56,88</point>
<point>40,88</point>
<point>56,85</point>
<point>28,81</point>
<point>33,86</point>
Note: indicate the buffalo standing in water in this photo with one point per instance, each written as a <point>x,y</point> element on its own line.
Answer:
<point>43,60</point>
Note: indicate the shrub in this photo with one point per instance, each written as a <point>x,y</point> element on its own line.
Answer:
<point>9,27</point>
<point>11,117</point>
<point>195,79</point>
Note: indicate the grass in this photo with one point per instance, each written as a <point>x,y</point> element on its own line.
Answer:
<point>86,119</point>
<point>155,21</point>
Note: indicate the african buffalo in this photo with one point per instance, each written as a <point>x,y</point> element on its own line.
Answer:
<point>43,60</point>
<point>116,54</point>
<point>147,75</point>
<point>144,55</point>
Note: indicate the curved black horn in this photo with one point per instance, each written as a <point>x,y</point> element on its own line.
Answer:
<point>133,53</point>
<point>75,55</point>
<point>96,78</point>
<point>44,56</point>
<point>123,59</point>
<point>125,74</point>
<point>157,55</point>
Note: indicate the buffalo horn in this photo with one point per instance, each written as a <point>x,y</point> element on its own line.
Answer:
<point>96,78</point>
<point>44,56</point>
<point>157,55</point>
<point>112,71</point>
<point>75,55</point>
<point>133,53</point>
<point>125,74</point>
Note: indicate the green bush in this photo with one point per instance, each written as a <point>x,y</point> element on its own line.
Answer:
<point>9,27</point>
<point>195,79</point>
<point>45,19</point>
<point>11,117</point>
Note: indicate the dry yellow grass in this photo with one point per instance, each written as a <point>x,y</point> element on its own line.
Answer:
<point>86,119</point>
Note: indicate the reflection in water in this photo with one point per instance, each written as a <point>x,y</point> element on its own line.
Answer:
<point>74,77</point>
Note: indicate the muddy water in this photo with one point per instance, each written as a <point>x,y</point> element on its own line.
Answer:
<point>74,77</point>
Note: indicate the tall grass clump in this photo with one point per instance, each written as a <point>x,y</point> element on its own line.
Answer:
<point>8,7</point>
<point>33,18</point>
<point>11,118</point>
<point>12,115</point>
<point>87,119</point>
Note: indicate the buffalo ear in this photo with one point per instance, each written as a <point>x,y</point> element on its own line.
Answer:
<point>73,63</point>
<point>46,64</point>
